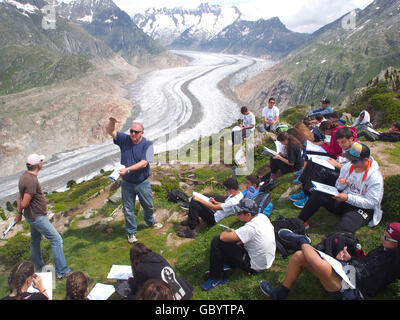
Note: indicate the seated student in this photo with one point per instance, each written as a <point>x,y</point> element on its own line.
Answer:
<point>393,134</point>
<point>21,277</point>
<point>330,128</point>
<point>155,290</point>
<point>319,137</point>
<point>211,212</point>
<point>147,265</point>
<point>325,109</point>
<point>373,272</point>
<point>335,118</point>
<point>315,172</point>
<point>270,115</point>
<point>247,125</point>
<point>77,286</point>
<point>360,186</point>
<point>250,248</point>
<point>252,191</point>
<point>294,160</point>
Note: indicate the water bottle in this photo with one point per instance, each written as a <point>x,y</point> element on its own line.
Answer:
<point>360,252</point>
<point>50,268</point>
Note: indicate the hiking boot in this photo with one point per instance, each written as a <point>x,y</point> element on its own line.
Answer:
<point>225,274</point>
<point>268,290</point>
<point>290,236</point>
<point>132,238</point>
<point>212,283</point>
<point>297,196</point>
<point>63,276</point>
<point>301,203</point>
<point>155,225</point>
<point>187,233</point>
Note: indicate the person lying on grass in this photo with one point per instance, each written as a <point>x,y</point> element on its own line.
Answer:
<point>369,274</point>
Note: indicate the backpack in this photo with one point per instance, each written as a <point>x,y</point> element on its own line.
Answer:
<point>263,201</point>
<point>294,224</point>
<point>334,242</point>
<point>176,195</point>
<point>267,184</point>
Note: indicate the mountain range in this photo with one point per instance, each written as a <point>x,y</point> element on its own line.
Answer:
<point>219,29</point>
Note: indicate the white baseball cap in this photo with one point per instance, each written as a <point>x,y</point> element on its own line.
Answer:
<point>35,159</point>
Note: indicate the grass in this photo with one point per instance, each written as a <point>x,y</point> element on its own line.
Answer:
<point>93,251</point>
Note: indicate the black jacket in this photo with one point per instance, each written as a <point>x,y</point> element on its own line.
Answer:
<point>376,270</point>
<point>154,266</point>
<point>390,137</point>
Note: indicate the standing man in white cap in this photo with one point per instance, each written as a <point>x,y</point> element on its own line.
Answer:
<point>136,155</point>
<point>32,204</point>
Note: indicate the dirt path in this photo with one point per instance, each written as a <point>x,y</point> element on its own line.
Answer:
<point>378,153</point>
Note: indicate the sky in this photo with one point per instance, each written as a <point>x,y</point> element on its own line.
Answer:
<point>297,15</point>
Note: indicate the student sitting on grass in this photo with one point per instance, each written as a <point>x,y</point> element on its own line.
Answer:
<point>21,277</point>
<point>371,273</point>
<point>360,186</point>
<point>77,286</point>
<point>335,118</point>
<point>147,265</point>
<point>315,172</point>
<point>218,208</point>
<point>250,248</point>
<point>363,121</point>
<point>294,160</point>
<point>393,134</point>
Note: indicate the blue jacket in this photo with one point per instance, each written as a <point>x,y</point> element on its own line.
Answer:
<point>325,112</point>
<point>252,195</point>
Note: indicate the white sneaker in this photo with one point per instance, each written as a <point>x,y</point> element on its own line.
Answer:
<point>132,238</point>
<point>155,225</point>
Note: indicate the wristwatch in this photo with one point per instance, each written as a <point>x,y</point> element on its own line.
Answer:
<point>129,170</point>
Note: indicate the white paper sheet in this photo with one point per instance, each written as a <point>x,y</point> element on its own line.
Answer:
<point>269,152</point>
<point>325,188</point>
<point>101,292</point>
<point>120,272</point>
<point>312,147</point>
<point>236,129</point>
<point>337,266</point>
<point>321,162</point>
<point>47,279</point>
<point>201,196</point>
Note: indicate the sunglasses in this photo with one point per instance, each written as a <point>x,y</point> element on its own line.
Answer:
<point>389,239</point>
<point>135,131</point>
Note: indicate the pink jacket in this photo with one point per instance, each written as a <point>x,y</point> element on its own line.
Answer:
<point>333,148</point>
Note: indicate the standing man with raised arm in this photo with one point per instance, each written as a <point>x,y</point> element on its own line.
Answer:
<point>136,155</point>
<point>32,204</point>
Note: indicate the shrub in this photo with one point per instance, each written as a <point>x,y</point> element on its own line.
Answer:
<point>3,214</point>
<point>391,200</point>
<point>15,250</point>
<point>71,183</point>
<point>9,206</point>
<point>294,115</point>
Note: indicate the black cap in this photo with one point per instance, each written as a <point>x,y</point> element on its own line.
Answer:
<point>326,100</point>
<point>246,205</point>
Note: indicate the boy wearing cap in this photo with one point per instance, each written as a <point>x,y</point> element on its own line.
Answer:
<point>360,186</point>
<point>326,110</point>
<point>368,274</point>
<point>250,248</point>
<point>32,204</point>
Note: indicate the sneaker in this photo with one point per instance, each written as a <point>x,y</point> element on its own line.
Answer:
<point>187,233</point>
<point>289,236</point>
<point>212,283</point>
<point>296,181</point>
<point>301,203</point>
<point>132,238</point>
<point>225,274</point>
<point>155,225</point>
<point>268,290</point>
<point>297,196</point>
<point>63,276</point>
<point>298,173</point>
<point>184,205</point>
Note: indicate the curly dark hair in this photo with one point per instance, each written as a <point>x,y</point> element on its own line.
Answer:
<point>18,275</point>
<point>155,290</point>
<point>76,286</point>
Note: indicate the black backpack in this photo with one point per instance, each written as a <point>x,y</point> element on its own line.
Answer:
<point>294,224</point>
<point>267,184</point>
<point>334,242</point>
<point>263,199</point>
<point>176,195</point>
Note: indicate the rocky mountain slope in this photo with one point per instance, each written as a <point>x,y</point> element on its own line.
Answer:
<point>336,62</point>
